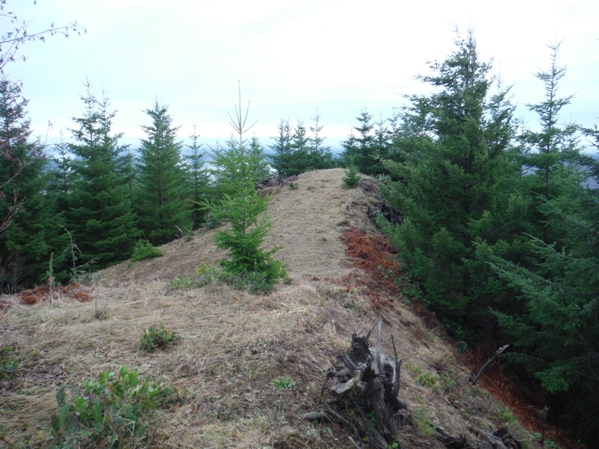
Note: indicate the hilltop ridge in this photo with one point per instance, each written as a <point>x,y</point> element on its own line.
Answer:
<point>234,344</point>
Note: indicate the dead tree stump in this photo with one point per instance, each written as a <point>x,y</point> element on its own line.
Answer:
<point>364,393</point>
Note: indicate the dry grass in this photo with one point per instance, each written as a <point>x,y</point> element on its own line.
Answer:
<point>234,343</point>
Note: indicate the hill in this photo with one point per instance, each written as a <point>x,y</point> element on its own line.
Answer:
<point>235,344</point>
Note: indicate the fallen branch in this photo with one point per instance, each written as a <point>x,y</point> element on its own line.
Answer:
<point>486,365</point>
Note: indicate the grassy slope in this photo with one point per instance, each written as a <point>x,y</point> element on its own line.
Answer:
<point>235,343</point>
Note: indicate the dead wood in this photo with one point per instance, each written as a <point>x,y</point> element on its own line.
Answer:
<point>365,388</point>
<point>486,365</point>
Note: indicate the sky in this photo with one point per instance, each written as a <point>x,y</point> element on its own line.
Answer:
<point>290,57</point>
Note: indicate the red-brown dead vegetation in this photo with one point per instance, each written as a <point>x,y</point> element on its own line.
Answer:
<point>373,254</point>
<point>46,293</point>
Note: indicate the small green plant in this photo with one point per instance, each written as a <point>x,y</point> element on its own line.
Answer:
<point>351,178</point>
<point>115,411</point>
<point>158,337</point>
<point>144,250</point>
<point>506,415</point>
<point>283,383</point>
<point>258,282</point>
<point>8,363</point>
<point>292,186</point>
<point>423,425</point>
<point>427,379</point>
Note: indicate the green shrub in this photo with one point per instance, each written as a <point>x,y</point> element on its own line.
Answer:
<point>158,338</point>
<point>116,411</point>
<point>8,363</point>
<point>144,250</point>
<point>283,383</point>
<point>351,178</point>
<point>257,282</point>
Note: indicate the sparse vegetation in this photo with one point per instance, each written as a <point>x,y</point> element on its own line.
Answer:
<point>283,383</point>
<point>8,363</point>
<point>114,412</point>
<point>158,337</point>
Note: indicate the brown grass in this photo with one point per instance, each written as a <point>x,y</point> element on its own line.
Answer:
<point>234,344</point>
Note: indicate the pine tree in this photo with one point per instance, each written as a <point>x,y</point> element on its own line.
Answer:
<point>361,149</point>
<point>320,154</point>
<point>450,156</point>
<point>244,210</point>
<point>199,179</point>
<point>164,190</point>
<point>281,160</point>
<point>100,218</point>
<point>27,243</point>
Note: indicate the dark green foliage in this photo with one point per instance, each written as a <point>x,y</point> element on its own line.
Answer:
<point>282,158</point>
<point>295,152</point>
<point>117,411</point>
<point>244,209</point>
<point>164,188</point>
<point>144,250</point>
<point>449,156</point>
<point>351,178</point>
<point>557,332</point>
<point>199,180</point>
<point>30,228</point>
<point>100,215</point>
<point>8,363</point>
<point>158,337</point>
<point>370,147</point>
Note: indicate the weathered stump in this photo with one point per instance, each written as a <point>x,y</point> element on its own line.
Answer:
<point>364,393</point>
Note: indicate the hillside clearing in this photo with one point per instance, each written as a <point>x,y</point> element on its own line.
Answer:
<point>234,344</point>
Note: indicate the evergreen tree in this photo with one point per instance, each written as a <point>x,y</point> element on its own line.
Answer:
<point>361,150</point>
<point>100,218</point>
<point>320,154</point>
<point>281,160</point>
<point>244,210</point>
<point>164,189</point>
<point>556,333</point>
<point>199,179</point>
<point>450,157</point>
<point>27,243</point>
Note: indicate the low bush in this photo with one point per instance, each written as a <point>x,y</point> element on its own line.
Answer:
<point>158,337</point>
<point>257,282</point>
<point>144,250</point>
<point>8,363</point>
<point>116,411</point>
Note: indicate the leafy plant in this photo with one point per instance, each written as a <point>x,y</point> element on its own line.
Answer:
<point>283,383</point>
<point>8,363</point>
<point>144,250</point>
<point>158,338</point>
<point>116,411</point>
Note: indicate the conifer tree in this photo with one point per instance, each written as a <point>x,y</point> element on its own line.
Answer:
<point>281,160</point>
<point>320,154</point>
<point>199,179</point>
<point>164,190</point>
<point>33,233</point>
<point>360,150</point>
<point>100,218</point>
<point>244,209</point>
<point>451,155</point>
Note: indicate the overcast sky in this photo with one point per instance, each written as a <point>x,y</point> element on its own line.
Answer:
<point>291,56</point>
